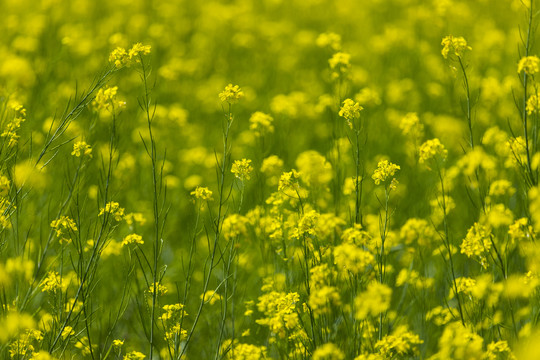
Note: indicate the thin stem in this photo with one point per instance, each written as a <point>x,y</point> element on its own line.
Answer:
<point>358,190</point>
<point>468,92</point>
<point>382,260</point>
<point>525,88</point>
<point>446,242</point>
<point>217,224</point>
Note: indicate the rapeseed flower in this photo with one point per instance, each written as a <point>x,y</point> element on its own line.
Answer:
<point>242,169</point>
<point>328,351</point>
<point>385,169</point>
<point>454,45</point>
<point>530,65</point>
<point>202,193</point>
<point>232,94</point>
<point>81,148</point>
<point>350,111</point>
<point>374,301</point>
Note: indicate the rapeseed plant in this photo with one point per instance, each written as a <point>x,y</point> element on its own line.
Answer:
<point>267,221</point>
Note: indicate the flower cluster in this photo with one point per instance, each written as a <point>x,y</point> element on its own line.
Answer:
<point>106,99</point>
<point>350,111</point>
<point>261,123</point>
<point>52,282</point>
<point>172,318</point>
<point>132,239</point>
<point>202,193</point>
<point>432,148</point>
<point>477,243</point>
<point>232,94</point>
<point>374,301</point>
<point>242,169</point>
<point>81,148</point>
<point>530,65</point>
<point>121,57</point>
<point>340,64</point>
<point>113,208</point>
<point>12,126</point>
<point>64,226</point>
<point>385,170</point>
<point>454,45</point>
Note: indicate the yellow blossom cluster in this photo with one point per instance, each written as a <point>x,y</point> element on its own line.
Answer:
<point>121,57</point>
<point>242,169</point>
<point>454,45</point>
<point>231,94</point>
<point>106,99</point>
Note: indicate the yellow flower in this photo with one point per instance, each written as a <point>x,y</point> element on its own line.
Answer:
<point>132,218</point>
<point>374,301</point>
<point>412,277</point>
<point>494,349</point>
<point>234,225</point>
<point>322,299</point>
<point>173,312</point>
<point>455,45</point>
<point>10,130</point>
<point>231,94</point>
<point>106,99</point>
<point>385,169</point>
<point>242,169</point>
<point>533,104</point>
<point>134,355</point>
<point>399,345</point>
<point>501,187</point>
<point>120,57</point>
<point>261,123</point>
<point>315,169</point>
<point>353,258</point>
<point>118,343</point>
<point>63,226</point>
<point>81,148</point>
<point>328,351</point>
<point>23,346</point>
<point>419,231</point>
<point>280,311</point>
<point>329,39</point>
<point>441,316</point>
<point>137,49</point>
<point>464,285</point>
<point>211,297</point>
<point>432,148</point>
<point>499,215</point>
<point>289,181</point>
<point>160,289</point>
<point>244,351</point>
<point>132,239</point>
<point>350,111</point>
<point>67,332</point>
<point>114,209</point>
<point>477,243</point>
<point>410,126</point>
<point>459,343</point>
<point>529,64</point>
<point>271,167</point>
<point>339,64</point>
<point>202,193</point>
<point>14,323</point>
<point>520,230</point>
<point>5,183</point>
<point>306,225</point>
<point>42,355</point>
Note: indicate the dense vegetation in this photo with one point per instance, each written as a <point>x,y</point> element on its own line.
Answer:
<point>269,179</point>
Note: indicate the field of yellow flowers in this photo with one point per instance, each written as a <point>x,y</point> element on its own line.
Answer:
<point>269,179</point>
